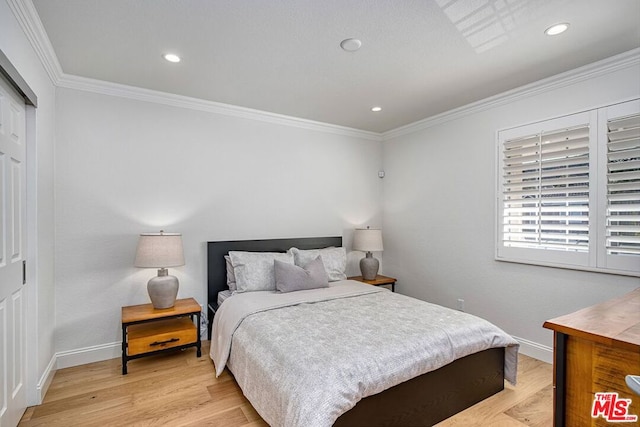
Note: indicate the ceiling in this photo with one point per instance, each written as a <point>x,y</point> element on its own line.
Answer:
<point>418,57</point>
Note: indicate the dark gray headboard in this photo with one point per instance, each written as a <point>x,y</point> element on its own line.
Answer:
<point>216,268</point>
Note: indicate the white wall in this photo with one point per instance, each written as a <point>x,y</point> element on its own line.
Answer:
<point>125,166</point>
<point>439,215</point>
<point>40,291</point>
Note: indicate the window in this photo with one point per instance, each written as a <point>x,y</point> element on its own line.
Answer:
<point>569,191</point>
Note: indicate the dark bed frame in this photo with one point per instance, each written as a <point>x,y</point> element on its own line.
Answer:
<point>421,401</point>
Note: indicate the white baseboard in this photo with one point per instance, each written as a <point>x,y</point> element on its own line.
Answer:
<point>45,380</point>
<point>98,353</point>
<point>82,356</point>
<point>535,350</point>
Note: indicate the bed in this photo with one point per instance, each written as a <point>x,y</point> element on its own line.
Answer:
<point>421,400</point>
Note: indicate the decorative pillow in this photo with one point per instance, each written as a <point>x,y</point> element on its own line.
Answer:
<point>291,278</point>
<point>231,276</point>
<point>334,260</point>
<point>254,270</point>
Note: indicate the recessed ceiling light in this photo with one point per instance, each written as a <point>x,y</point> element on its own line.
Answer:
<point>350,45</point>
<point>171,57</point>
<point>376,109</point>
<point>556,29</point>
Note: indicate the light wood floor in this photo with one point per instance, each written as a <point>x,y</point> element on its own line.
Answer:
<point>179,389</point>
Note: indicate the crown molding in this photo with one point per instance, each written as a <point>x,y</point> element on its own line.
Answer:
<point>28,18</point>
<point>180,101</point>
<point>605,66</point>
<point>624,60</point>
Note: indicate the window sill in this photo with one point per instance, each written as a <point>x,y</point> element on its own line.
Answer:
<point>570,267</point>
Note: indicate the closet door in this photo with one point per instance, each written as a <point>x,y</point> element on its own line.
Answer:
<point>12,254</point>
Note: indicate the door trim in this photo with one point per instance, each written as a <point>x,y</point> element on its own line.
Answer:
<point>35,387</point>
<point>15,79</point>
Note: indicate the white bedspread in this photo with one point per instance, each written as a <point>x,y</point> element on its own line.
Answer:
<point>304,358</point>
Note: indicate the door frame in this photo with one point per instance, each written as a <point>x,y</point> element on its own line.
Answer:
<point>15,79</point>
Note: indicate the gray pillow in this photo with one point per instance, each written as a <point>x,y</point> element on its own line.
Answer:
<point>334,260</point>
<point>291,278</point>
<point>254,270</point>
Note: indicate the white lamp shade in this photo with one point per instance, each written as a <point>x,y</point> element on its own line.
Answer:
<point>159,250</point>
<point>367,240</point>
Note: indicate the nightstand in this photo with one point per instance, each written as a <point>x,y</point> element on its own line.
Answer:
<point>147,331</point>
<point>378,281</point>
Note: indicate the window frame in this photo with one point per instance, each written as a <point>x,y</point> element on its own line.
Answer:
<point>596,258</point>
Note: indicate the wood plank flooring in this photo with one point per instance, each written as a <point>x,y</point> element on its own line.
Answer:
<point>179,389</point>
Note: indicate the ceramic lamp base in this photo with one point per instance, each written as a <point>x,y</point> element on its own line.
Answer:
<point>163,290</point>
<point>369,267</point>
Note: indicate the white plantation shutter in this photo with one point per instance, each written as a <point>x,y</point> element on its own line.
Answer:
<point>546,190</point>
<point>623,186</point>
<point>569,191</point>
<point>620,204</point>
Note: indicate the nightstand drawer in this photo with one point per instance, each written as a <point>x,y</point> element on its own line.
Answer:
<point>159,335</point>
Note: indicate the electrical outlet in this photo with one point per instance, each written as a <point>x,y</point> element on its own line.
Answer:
<point>460,304</point>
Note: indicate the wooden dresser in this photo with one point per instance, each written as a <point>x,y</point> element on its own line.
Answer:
<point>594,349</point>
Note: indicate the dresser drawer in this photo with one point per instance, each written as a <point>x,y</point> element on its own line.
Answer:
<point>159,335</point>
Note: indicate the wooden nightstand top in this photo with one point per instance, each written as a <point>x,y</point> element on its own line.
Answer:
<point>379,280</point>
<point>136,313</point>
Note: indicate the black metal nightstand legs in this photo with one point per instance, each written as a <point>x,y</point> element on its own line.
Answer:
<point>124,350</point>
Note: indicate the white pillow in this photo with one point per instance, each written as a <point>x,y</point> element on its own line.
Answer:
<point>231,277</point>
<point>334,260</point>
<point>254,270</point>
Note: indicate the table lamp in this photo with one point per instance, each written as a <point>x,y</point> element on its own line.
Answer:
<point>161,250</point>
<point>368,240</point>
